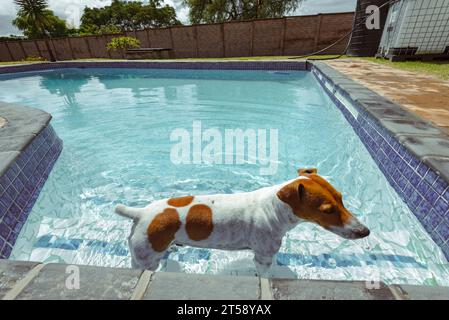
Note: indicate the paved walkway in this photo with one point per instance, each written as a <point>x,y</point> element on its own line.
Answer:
<point>422,94</point>
<point>20,280</point>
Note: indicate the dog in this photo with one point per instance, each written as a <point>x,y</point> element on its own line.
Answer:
<point>255,220</point>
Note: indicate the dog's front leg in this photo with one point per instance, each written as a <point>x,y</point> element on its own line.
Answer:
<point>263,262</point>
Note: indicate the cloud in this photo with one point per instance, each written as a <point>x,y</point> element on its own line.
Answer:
<point>71,10</point>
<point>325,6</point>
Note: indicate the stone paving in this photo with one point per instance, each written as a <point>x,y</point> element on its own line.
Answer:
<point>422,94</point>
<point>20,280</point>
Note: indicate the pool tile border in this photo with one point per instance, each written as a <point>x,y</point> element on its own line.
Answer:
<point>196,65</point>
<point>30,148</point>
<point>410,152</point>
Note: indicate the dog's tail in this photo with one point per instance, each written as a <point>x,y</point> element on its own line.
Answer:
<point>128,212</point>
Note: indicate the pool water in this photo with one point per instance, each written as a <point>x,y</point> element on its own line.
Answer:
<point>116,126</point>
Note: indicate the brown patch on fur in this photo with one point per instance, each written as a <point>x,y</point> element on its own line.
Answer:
<point>181,201</point>
<point>199,222</point>
<point>315,200</point>
<point>161,231</point>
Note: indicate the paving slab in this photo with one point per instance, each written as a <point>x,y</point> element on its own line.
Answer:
<point>422,94</point>
<point>423,146</point>
<point>410,292</point>
<point>411,127</point>
<point>171,286</point>
<point>12,272</point>
<point>286,289</point>
<point>53,283</point>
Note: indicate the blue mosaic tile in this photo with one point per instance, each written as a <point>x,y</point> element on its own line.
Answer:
<point>9,221</point>
<point>434,219</point>
<point>440,185</point>
<point>21,185</point>
<point>415,200</point>
<point>409,190</point>
<point>422,210</point>
<point>22,199</point>
<point>431,177</point>
<point>443,230</point>
<point>414,163</point>
<point>22,160</point>
<point>3,209</point>
<point>414,178</point>
<point>407,156</point>
<point>14,210</point>
<point>12,237</point>
<point>445,249</point>
<point>446,195</point>
<point>6,199</point>
<point>431,195</point>
<point>438,240</point>
<point>6,251</point>
<point>441,207</point>
<point>423,187</point>
<point>5,182</point>
<point>408,172</point>
<point>4,230</point>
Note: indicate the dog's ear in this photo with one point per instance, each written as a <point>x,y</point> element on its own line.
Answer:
<point>301,191</point>
<point>302,172</point>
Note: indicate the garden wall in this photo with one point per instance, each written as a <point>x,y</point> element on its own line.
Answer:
<point>268,37</point>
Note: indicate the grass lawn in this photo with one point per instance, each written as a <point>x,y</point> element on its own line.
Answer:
<point>438,69</point>
<point>16,62</point>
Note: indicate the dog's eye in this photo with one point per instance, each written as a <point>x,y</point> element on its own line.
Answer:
<point>327,208</point>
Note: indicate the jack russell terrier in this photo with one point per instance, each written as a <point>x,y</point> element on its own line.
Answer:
<point>254,220</point>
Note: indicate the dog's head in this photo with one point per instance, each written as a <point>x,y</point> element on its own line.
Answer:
<point>314,199</point>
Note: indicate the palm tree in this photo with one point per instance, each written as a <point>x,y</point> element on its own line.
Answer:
<point>33,15</point>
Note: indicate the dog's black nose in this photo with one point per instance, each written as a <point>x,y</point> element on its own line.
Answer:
<point>362,232</point>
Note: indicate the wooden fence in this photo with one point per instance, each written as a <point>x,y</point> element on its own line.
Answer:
<point>267,37</point>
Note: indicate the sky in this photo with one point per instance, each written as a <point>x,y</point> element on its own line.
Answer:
<point>71,10</point>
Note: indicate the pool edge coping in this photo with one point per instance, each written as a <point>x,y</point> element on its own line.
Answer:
<point>373,103</point>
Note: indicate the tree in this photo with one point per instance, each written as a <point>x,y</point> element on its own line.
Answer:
<point>37,21</point>
<point>128,15</point>
<point>99,30</point>
<point>210,11</point>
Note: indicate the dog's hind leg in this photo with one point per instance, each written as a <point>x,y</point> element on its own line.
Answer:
<point>147,260</point>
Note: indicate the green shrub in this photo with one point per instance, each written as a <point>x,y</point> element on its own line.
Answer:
<point>34,58</point>
<point>123,43</point>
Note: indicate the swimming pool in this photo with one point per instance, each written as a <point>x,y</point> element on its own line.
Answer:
<point>116,127</point>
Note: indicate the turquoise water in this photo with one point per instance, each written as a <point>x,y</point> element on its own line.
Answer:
<point>116,126</point>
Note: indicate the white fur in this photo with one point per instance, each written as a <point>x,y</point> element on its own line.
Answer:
<point>255,220</point>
